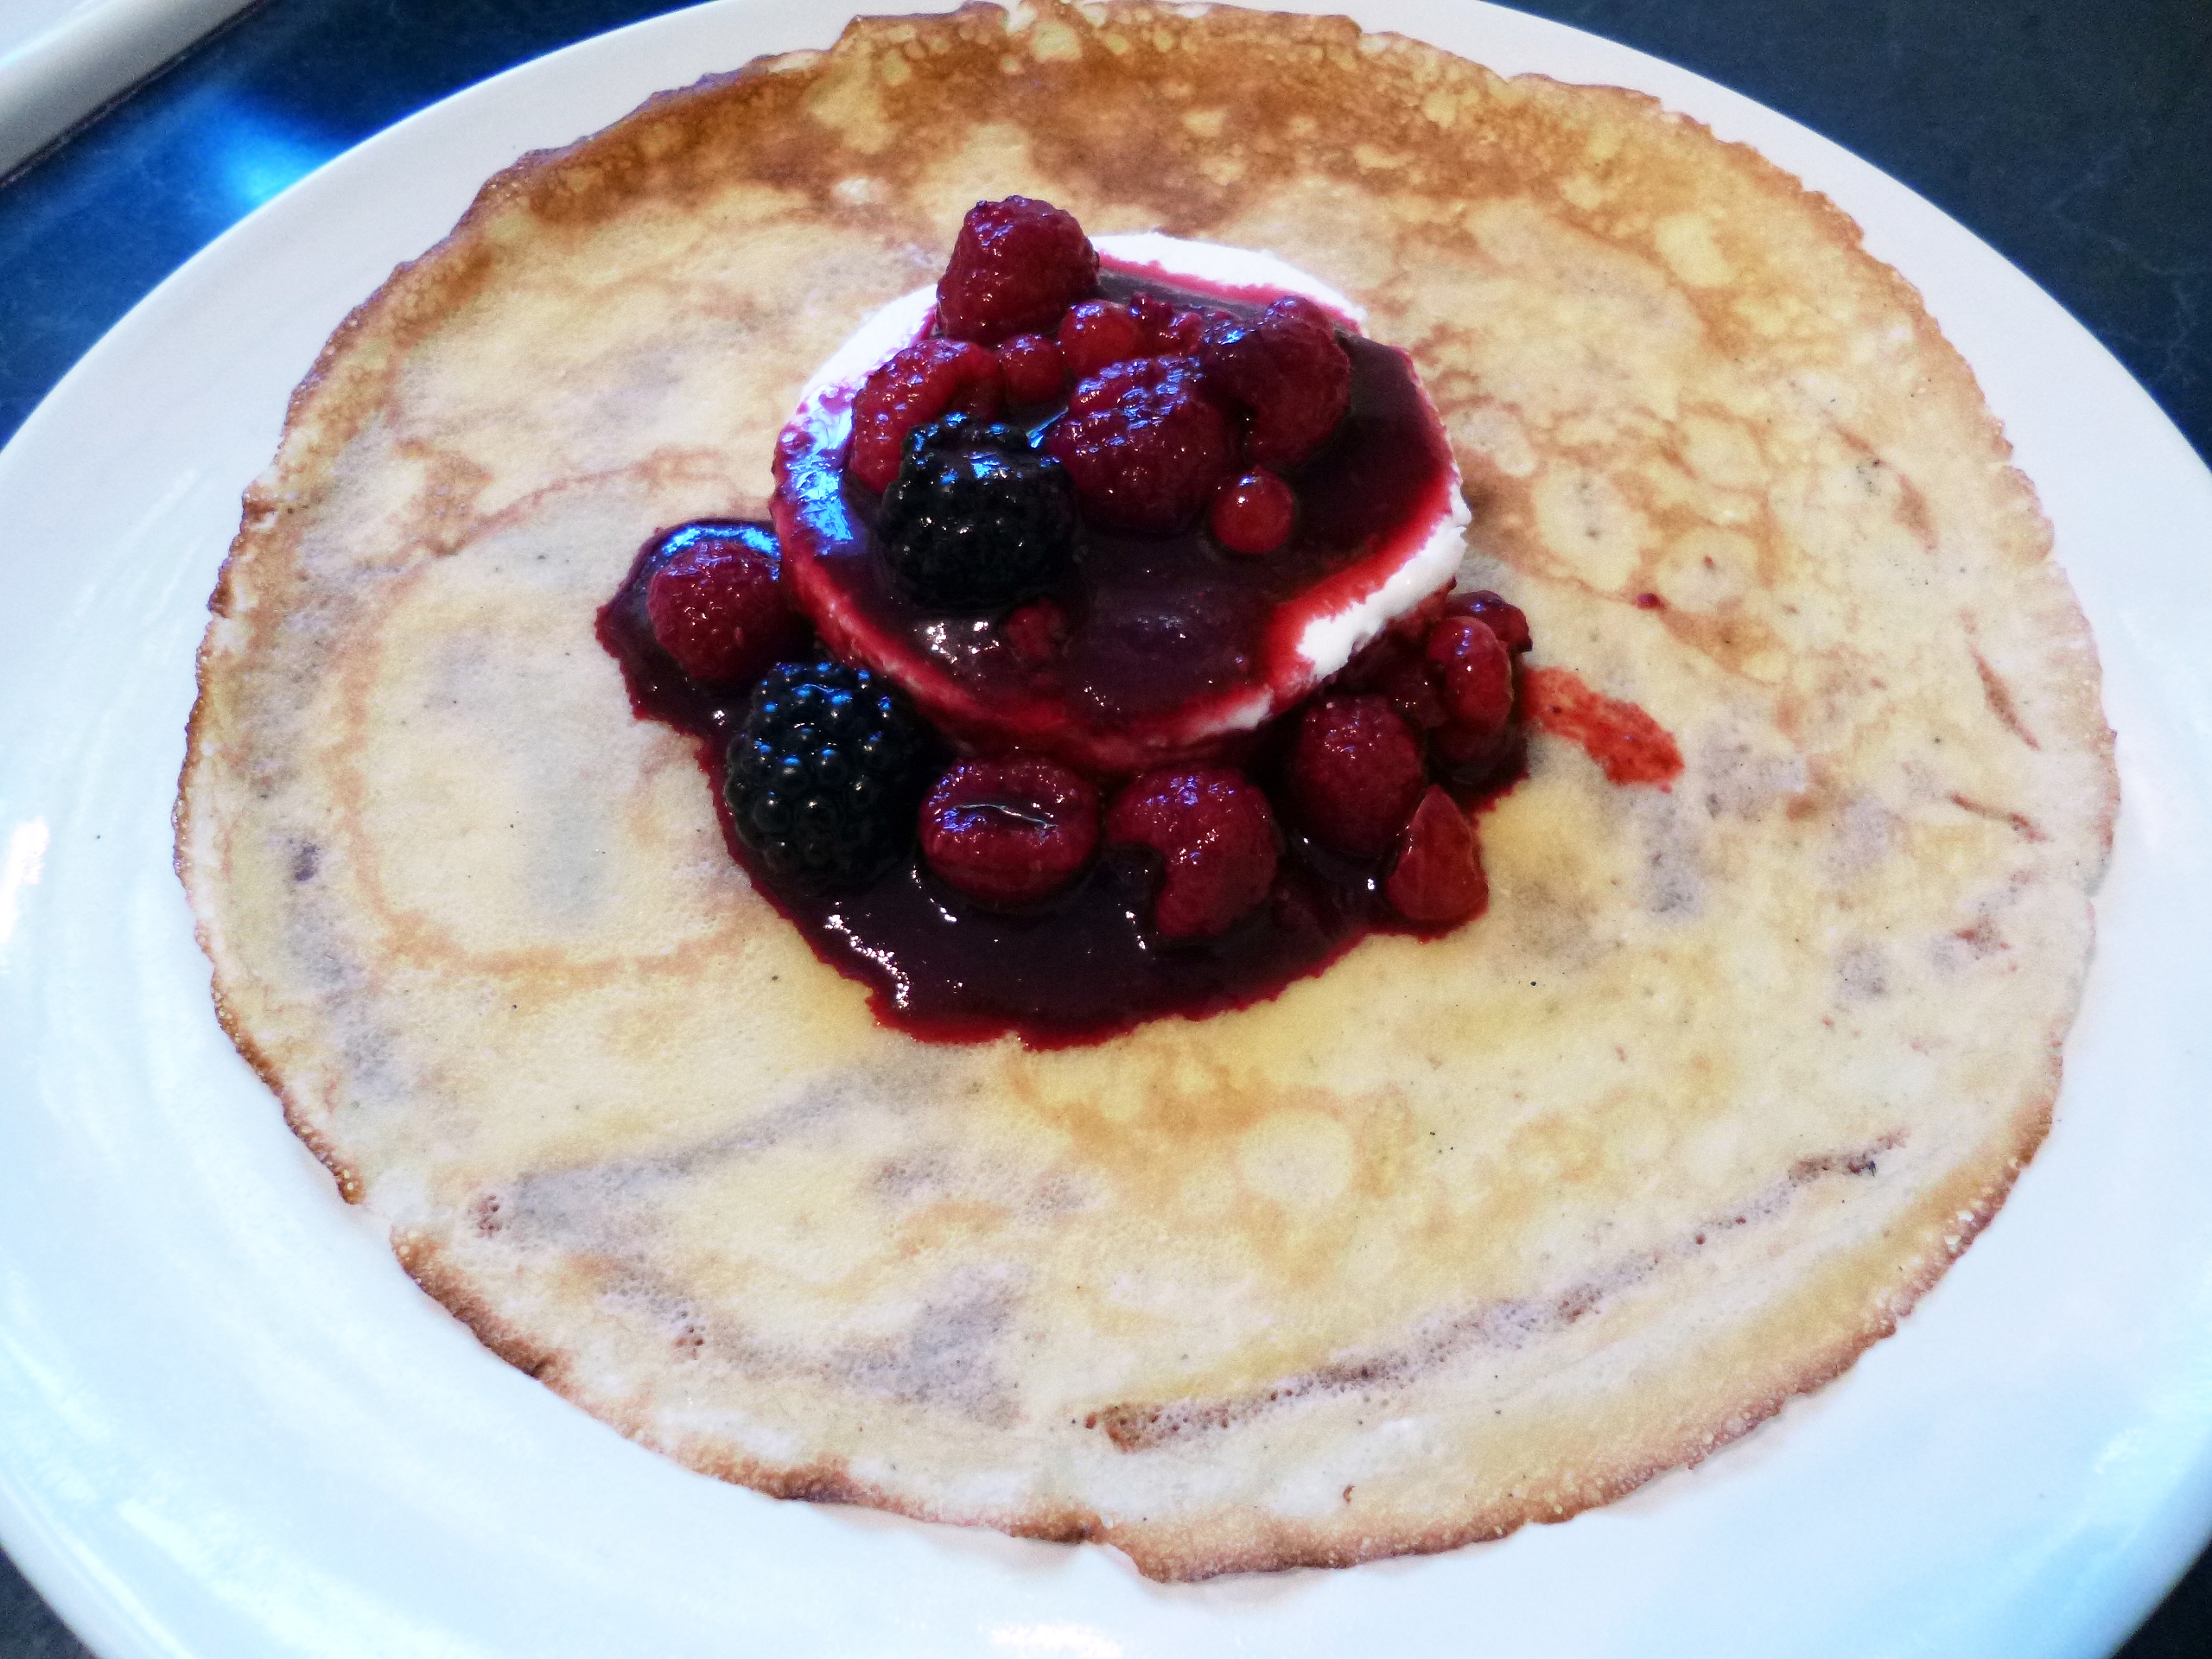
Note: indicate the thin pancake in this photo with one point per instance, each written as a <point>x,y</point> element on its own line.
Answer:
<point>1457,1236</point>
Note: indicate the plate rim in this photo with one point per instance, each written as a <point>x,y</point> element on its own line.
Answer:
<point>79,1595</point>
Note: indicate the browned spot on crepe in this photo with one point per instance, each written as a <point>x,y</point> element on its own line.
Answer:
<point>2000,698</point>
<point>1722,1083</point>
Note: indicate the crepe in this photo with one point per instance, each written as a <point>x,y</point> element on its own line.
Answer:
<point>1458,1235</point>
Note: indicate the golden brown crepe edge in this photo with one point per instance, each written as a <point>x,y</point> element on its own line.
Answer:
<point>1192,1549</point>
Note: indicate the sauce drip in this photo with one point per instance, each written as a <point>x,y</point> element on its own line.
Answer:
<point>1628,745</point>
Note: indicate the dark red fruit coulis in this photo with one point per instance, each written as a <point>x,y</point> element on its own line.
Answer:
<point>1628,745</point>
<point>1090,960</point>
<point>1208,882</point>
<point>1166,630</point>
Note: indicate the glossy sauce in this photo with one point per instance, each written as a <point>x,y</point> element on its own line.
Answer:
<point>1075,969</point>
<point>1157,632</point>
<point>1165,637</point>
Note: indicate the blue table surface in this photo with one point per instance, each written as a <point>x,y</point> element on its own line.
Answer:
<point>2073,135</point>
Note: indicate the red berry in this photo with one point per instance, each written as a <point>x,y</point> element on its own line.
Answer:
<point>1438,879</point>
<point>928,379</point>
<point>1212,829</point>
<point>1253,514</point>
<point>1444,677</point>
<point>1155,319</point>
<point>1095,333</point>
<point>1355,773</point>
<point>1473,673</point>
<point>715,606</point>
<point>1412,692</point>
<point>1166,329</point>
<point>1287,373</point>
<point>1394,665</point>
<point>1144,445</point>
<point>1009,832</point>
<point>1032,370</point>
<point>1016,265</point>
<point>1308,310</point>
<point>1504,620</point>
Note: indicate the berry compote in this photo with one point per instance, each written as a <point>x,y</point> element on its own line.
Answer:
<point>1134,687</point>
<point>1174,636</point>
<point>1186,893</point>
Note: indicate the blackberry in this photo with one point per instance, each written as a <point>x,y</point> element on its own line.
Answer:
<point>976,520</point>
<point>826,773</point>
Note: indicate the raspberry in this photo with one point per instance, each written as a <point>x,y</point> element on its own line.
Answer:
<point>1212,827</point>
<point>1016,265</point>
<point>1144,444</point>
<point>1253,514</point>
<point>925,380</point>
<point>976,520</point>
<point>1031,366</point>
<point>1393,665</point>
<point>1455,682</point>
<point>824,774</point>
<point>1155,318</point>
<point>1095,333</point>
<point>1473,673</point>
<point>1306,311</point>
<point>1504,620</point>
<point>1165,329</point>
<point>1287,373</point>
<point>1355,773</point>
<point>1438,879</point>
<point>715,606</point>
<point>1010,832</point>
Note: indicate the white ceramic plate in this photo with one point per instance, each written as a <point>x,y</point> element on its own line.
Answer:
<point>231,1427</point>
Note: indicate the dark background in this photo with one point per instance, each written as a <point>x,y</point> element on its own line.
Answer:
<point>2073,135</point>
